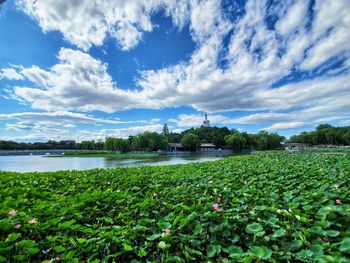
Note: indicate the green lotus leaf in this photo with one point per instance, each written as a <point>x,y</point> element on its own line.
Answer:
<point>211,251</point>
<point>59,249</point>
<point>345,245</point>
<point>163,245</point>
<point>332,233</point>
<point>279,233</point>
<point>235,251</point>
<point>127,247</point>
<point>260,252</point>
<point>12,237</point>
<point>254,228</point>
<point>295,245</point>
<point>304,254</point>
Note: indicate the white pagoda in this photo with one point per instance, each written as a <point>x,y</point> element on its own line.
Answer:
<point>206,121</point>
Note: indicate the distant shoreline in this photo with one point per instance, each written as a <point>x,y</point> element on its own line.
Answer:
<point>43,152</point>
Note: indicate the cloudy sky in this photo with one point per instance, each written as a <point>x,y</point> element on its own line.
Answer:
<point>87,69</point>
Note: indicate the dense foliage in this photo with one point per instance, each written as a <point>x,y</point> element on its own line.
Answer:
<point>11,145</point>
<point>275,207</point>
<point>220,137</point>
<point>152,141</point>
<point>225,138</point>
<point>149,141</point>
<point>117,144</point>
<point>213,135</point>
<point>190,142</point>
<point>324,134</point>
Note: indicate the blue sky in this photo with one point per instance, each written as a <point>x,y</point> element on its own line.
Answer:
<point>108,68</point>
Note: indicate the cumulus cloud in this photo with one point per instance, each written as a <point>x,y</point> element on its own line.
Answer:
<point>59,117</point>
<point>330,32</point>
<point>43,133</point>
<point>196,120</point>
<point>10,74</point>
<point>257,57</point>
<point>88,23</point>
<point>234,66</point>
<point>77,82</point>
<point>284,125</point>
<point>132,130</point>
<point>65,125</point>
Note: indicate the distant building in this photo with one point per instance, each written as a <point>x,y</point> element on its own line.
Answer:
<point>206,121</point>
<point>207,147</point>
<point>297,147</point>
<point>177,147</point>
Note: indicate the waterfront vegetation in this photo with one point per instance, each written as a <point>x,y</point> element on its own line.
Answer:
<point>324,134</point>
<point>332,150</point>
<point>266,207</point>
<point>153,141</point>
<point>107,155</point>
<point>191,139</point>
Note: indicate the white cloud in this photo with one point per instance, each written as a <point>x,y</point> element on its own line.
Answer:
<point>10,73</point>
<point>133,130</point>
<point>77,82</point>
<point>294,18</point>
<point>57,134</point>
<point>255,56</point>
<point>252,68</point>
<point>284,125</point>
<point>196,120</point>
<point>89,23</point>
<point>333,16</point>
<point>58,118</point>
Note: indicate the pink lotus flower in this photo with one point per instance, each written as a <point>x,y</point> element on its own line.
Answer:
<point>338,202</point>
<point>219,199</point>
<point>336,186</point>
<point>167,232</point>
<point>12,212</point>
<point>32,222</point>
<point>18,226</point>
<point>216,207</point>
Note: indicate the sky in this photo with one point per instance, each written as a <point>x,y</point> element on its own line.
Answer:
<point>85,70</point>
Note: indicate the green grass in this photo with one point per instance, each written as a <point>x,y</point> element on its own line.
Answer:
<point>108,155</point>
<point>274,207</point>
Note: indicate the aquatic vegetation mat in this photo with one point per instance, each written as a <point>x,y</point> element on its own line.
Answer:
<point>274,207</point>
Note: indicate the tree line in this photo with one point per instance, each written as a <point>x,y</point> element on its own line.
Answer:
<point>190,139</point>
<point>324,134</point>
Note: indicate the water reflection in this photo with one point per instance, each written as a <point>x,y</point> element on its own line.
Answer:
<point>38,163</point>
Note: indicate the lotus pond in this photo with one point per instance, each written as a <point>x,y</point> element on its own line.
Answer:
<point>273,207</point>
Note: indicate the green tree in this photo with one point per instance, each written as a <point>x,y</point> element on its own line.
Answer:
<point>236,141</point>
<point>323,126</point>
<point>136,143</point>
<point>346,137</point>
<point>109,144</point>
<point>122,145</point>
<point>190,142</point>
<point>174,137</point>
<point>165,129</point>
<point>150,141</point>
<point>87,145</point>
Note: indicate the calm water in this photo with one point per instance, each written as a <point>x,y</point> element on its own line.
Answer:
<point>39,163</point>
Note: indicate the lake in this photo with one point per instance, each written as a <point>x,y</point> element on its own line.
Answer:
<point>40,163</point>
